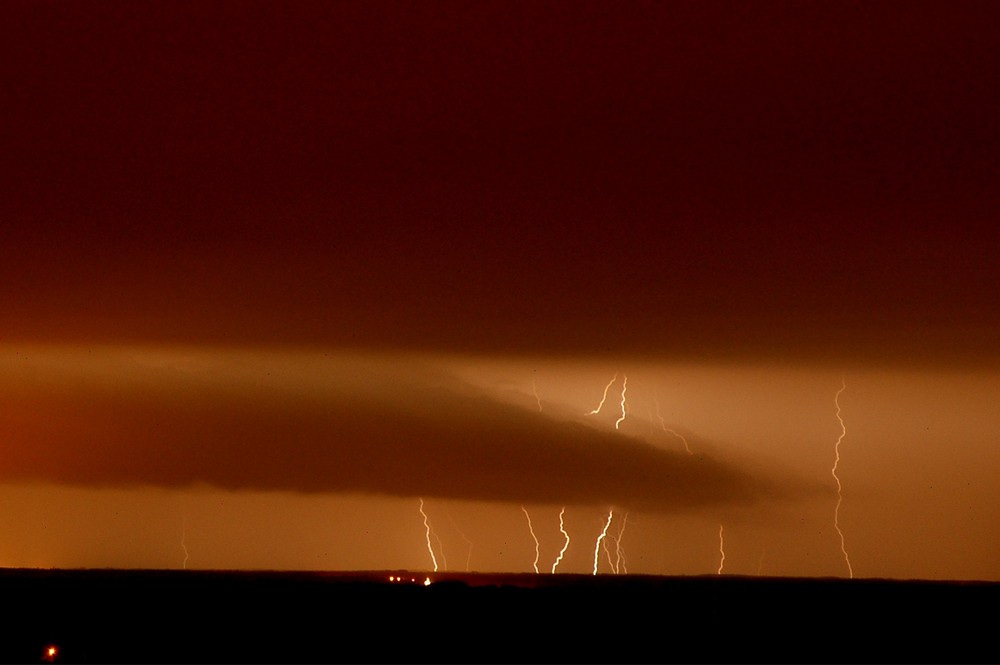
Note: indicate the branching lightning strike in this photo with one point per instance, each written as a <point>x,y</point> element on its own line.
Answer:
<point>833,471</point>
<point>620,553</point>
<point>607,553</point>
<point>617,564</point>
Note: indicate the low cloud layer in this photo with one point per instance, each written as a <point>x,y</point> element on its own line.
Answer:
<point>318,424</point>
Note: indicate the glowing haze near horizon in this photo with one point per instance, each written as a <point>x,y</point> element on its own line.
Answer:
<point>273,274</point>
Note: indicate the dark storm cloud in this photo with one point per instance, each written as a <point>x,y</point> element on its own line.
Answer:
<point>372,426</point>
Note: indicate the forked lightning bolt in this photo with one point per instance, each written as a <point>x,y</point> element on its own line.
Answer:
<point>833,471</point>
<point>427,526</point>
<point>531,529</point>
<point>600,539</point>
<point>617,564</point>
<point>562,528</point>
<point>620,554</point>
<point>607,553</point>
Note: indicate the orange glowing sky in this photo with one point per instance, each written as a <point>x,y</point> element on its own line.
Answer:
<point>272,273</point>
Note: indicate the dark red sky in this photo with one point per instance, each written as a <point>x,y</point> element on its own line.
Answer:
<point>670,178</point>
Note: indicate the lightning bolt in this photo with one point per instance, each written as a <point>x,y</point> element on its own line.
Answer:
<point>618,563</point>
<point>444,556</point>
<point>607,553</point>
<point>600,539</point>
<point>538,400</point>
<point>624,387</point>
<point>427,526</point>
<point>468,557</point>
<point>532,530</point>
<point>619,553</point>
<point>605,397</point>
<point>722,552</point>
<point>833,471</point>
<point>562,528</point>
<point>663,425</point>
<point>183,541</point>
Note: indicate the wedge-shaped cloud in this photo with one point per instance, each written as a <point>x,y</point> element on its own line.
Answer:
<point>315,423</point>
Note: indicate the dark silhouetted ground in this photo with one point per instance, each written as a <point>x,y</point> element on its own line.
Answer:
<point>118,616</point>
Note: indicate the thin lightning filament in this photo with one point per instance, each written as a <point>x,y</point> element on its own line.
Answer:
<point>722,551</point>
<point>531,529</point>
<point>833,471</point>
<point>183,541</point>
<point>664,427</point>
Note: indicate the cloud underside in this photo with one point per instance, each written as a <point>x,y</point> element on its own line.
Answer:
<point>401,432</point>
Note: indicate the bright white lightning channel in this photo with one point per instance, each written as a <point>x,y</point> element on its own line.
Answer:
<point>600,539</point>
<point>624,388</point>
<point>605,397</point>
<point>562,529</point>
<point>427,526</point>
<point>617,564</point>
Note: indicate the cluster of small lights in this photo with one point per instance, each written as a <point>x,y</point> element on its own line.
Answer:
<point>396,579</point>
